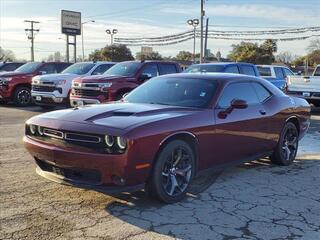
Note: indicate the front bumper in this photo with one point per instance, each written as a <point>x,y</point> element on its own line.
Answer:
<point>41,98</point>
<point>75,102</point>
<point>101,172</point>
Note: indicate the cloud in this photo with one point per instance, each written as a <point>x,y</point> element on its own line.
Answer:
<point>255,11</point>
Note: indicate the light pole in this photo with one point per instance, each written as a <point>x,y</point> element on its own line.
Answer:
<point>82,37</point>
<point>111,33</point>
<point>194,23</point>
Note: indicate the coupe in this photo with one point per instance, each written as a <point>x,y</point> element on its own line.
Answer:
<point>167,130</point>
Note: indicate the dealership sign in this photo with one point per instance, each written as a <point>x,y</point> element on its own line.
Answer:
<point>70,22</point>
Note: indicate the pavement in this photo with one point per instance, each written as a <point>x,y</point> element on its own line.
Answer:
<point>256,200</point>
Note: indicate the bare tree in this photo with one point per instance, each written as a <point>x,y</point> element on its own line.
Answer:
<point>314,45</point>
<point>285,57</point>
<point>6,55</point>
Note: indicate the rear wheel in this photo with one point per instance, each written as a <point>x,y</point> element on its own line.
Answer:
<point>22,96</point>
<point>287,147</point>
<point>173,172</point>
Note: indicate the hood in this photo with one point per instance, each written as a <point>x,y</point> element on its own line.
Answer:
<point>56,77</point>
<point>100,78</point>
<point>13,74</point>
<point>122,116</point>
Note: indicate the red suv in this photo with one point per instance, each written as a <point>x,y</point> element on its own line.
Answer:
<point>117,81</point>
<point>16,86</point>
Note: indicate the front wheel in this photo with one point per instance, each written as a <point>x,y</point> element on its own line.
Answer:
<point>287,147</point>
<point>22,96</point>
<point>173,172</point>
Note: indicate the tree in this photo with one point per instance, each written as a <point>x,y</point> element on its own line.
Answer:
<point>6,55</point>
<point>314,45</point>
<point>148,56</point>
<point>115,53</point>
<point>184,56</point>
<point>253,53</point>
<point>56,57</point>
<point>314,58</point>
<point>285,57</point>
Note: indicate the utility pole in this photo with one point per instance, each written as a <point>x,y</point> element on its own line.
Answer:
<point>194,23</point>
<point>30,34</point>
<point>111,32</point>
<point>201,26</point>
<point>206,41</point>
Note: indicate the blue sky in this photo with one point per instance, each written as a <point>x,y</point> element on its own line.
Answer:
<point>150,18</point>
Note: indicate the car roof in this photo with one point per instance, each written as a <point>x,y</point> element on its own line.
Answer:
<point>272,66</point>
<point>224,63</point>
<point>152,61</point>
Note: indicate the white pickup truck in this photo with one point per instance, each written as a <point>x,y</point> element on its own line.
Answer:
<point>54,89</point>
<point>307,87</point>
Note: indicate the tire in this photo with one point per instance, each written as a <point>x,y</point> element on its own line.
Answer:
<point>22,96</point>
<point>47,107</point>
<point>287,147</point>
<point>172,172</point>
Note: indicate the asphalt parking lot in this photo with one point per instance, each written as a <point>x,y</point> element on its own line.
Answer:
<point>250,201</point>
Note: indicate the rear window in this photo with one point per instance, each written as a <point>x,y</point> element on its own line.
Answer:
<point>167,68</point>
<point>247,70</point>
<point>264,71</point>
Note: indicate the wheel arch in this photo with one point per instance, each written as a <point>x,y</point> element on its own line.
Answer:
<point>295,121</point>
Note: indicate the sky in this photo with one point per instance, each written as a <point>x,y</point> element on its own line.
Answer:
<point>146,18</point>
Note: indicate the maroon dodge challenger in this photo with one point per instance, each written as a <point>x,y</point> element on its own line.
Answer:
<point>165,131</point>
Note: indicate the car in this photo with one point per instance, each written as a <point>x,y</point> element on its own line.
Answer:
<point>226,67</point>
<point>307,87</point>
<point>16,86</point>
<point>54,89</point>
<point>166,131</point>
<point>277,75</point>
<point>117,81</point>
<point>10,66</point>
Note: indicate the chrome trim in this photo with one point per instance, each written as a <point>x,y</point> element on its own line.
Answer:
<point>86,86</point>
<point>52,135</point>
<point>177,133</point>
<point>78,140</point>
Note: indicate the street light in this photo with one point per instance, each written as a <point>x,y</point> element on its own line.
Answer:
<point>194,23</point>
<point>82,41</point>
<point>111,33</point>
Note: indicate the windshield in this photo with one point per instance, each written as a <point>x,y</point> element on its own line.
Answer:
<point>317,71</point>
<point>183,92</point>
<point>124,69</point>
<point>79,68</point>
<point>28,67</point>
<point>204,68</point>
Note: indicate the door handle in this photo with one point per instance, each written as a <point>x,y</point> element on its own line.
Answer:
<point>262,112</point>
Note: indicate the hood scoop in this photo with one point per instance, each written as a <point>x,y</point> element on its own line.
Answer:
<point>110,114</point>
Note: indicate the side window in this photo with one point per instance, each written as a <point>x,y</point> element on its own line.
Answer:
<point>287,72</point>
<point>247,70</point>
<point>279,73</point>
<point>317,72</point>
<point>261,91</point>
<point>151,70</point>
<point>166,68</point>
<point>9,67</point>
<point>101,69</point>
<point>62,66</point>
<point>264,71</point>
<point>242,91</point>
<point>232,69</point>
<point>48,68</point>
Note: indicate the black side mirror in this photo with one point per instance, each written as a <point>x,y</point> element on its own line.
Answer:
<point>42,72</point>
<point>235,104</point>
<point>144,77</point>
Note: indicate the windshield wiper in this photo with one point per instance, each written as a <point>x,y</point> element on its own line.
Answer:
<point>159,103</point>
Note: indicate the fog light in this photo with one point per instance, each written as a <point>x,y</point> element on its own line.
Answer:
<point>118,180</point>
<point>58,100</point>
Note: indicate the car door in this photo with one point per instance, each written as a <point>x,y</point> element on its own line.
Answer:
<point>240,133</point>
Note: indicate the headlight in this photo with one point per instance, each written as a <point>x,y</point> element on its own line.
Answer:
<point>5,80</point>
<point>105,86</point>
<point>109,140</point>
<point>33,129</point>
<point>122,143</point>
<point>40,130</point>
<point>61,82</point>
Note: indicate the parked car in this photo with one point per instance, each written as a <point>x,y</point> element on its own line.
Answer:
<point>307,87</point>
<point>277,75</point>
<point>117,81</point>
<point>10,66</point>
<point>16,86</point>
<point>166,131</point>
<point>224,67</point>
<point>54,89</point>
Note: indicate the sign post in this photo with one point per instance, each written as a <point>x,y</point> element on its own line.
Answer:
<point>71,26</point>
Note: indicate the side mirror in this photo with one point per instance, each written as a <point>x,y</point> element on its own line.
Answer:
<point>42,72</point>
<point>239,104</point>
<point>235,104</point>
<point>145,77</point>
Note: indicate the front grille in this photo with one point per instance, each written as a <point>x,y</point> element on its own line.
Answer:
<point>86,92</point>
<point>82,138</point>
<point>79,175</point>
<point>43,88</point>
